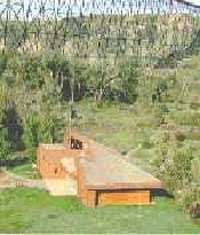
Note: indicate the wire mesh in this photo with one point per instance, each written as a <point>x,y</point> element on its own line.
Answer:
<point>146,30</point>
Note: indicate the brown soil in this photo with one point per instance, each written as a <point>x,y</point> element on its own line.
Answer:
<point>6,180</point>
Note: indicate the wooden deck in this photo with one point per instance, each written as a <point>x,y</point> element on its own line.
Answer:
<point>107,169</point>
<point>105,177</point>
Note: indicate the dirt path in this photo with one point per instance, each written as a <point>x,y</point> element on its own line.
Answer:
<point>10,180</point>
<point>5,180</point>
<point>61,187</point>
<point>55,187</point>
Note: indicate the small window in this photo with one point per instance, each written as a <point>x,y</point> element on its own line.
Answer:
<point>56,171</point>
<point>76,144</point>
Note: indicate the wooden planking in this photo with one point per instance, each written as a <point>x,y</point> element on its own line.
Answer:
<point>124,197</point>
<point>88,197</point>
<point>82,191</point>
<point>91,198</point>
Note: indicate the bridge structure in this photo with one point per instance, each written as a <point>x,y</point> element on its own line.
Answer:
<point>144,29</point>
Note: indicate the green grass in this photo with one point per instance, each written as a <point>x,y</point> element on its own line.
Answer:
<point>34,211</point>
<point>117,126</point>
<point>129,129</point>
<point>25,170</point>
<point>135,129</point>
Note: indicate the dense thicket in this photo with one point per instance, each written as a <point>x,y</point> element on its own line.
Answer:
<point>34,86</point>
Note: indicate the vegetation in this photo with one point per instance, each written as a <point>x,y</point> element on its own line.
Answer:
<point>34,211</point>
<point>154,116</point>
<point>148,110</point>
<point>25,170</point>
<point>4,145</point>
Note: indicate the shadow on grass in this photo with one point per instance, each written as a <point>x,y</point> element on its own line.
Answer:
<point>161,193</point>
<point>14,162</point>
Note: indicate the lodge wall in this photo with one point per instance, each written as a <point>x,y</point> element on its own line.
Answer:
<point>125,197</point>
<point>50,165</point>
<point>93,198</point>
<point>49,162</point>
<point>49,157</point>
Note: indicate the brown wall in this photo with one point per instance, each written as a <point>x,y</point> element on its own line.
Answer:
<point>92,198</point>
<point>49,162</point>
<point>87,197</point>
<point>125,197</point>
<point>49,159</point>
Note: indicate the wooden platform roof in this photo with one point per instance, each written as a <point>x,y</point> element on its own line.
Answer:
<point>53,146</point>
<point>107,170</point>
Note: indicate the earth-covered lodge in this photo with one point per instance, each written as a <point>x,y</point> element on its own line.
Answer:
<point>100,175</point>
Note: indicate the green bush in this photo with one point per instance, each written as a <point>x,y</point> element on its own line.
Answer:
<point>187,118</point>
<point>179,169</point>
<point>13,123</point>
<point>178,172</point>
<point>46,129</point>
<point>30,135</point>
<point>191,201</point>
<point>195,105</point>
<point>4,144</point>
<point>3,62</point>
<point>196,170</point>
<point>161,160</point>
<point>193,134</point>
<point>174,165</point>
<point>180,136</point>
<point>147,145</point>
<point>33,72</point>
<point>38,129</point>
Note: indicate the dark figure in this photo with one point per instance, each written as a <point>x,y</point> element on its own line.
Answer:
<point>74,113</point>
<point>154,98</point>
<point>76,144</point>
<point>158,91</point>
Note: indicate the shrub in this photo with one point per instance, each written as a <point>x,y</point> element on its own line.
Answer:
<point>195,105</point>
<point>194,134</point>
<point>147,145</point>
<point>46,129</point>
<point>194,209</point>
<point>174,165</point>
<point>33,72</point>
<point>4,144</point>
<point>30,135</point>
<point>160,162</point>
<point>178,173</point>
<point>180,136</point>
<point>191,201</point>
<point>3,62</point>
<point>196,170</point>
<point>179,170</point>
<point>187,118</point>
<point>12,122</point>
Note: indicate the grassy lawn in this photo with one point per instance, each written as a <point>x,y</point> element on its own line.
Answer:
<point>25,170</point>
<point>34,211</point>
